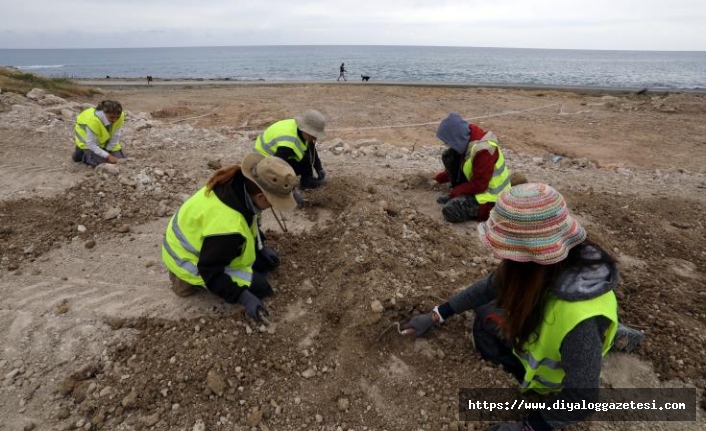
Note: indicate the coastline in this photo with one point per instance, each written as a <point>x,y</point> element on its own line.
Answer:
<point>158,82</point>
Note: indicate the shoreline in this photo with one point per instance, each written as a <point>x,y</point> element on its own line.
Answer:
<point>203,82</point>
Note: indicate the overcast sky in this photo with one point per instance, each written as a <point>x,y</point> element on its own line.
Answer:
<point>584,24</point>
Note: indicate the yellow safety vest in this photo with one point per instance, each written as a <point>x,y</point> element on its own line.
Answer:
<point>89,120</point>
<point>501,174</point>
<point>201,216</point>
<point>542,358</point>
<point>281,134</point>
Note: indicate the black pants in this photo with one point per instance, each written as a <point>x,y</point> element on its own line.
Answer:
<point>486,336</point>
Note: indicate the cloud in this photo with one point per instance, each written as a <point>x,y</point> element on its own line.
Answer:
<point>598,24</point>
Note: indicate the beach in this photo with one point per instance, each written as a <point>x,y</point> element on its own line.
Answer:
<point>92,333</point>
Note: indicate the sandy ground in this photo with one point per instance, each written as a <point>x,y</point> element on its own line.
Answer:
<point>92,337</point>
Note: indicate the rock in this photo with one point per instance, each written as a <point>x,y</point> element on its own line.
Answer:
<point>377,307</point>
<point>36,94</point>
<point>215,382</point>
<point>199,426</point>
<point>29,426</point>
<point>150,420</point>
<point>214,164</point>
<point>108,169</point>
<point>319,419</point>
<point>130,399</point>
<point>81,228</point>
<point>112,213</point>
<point>308,373</point>
<point>255,418</point>
<point>90,243</point>
<point>63,413</point>
<point>124,228</point>
<point>343,404</point>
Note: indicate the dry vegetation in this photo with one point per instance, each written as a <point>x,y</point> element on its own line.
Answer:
<point>17,81</point>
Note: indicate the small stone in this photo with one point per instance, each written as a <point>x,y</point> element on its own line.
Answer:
<point>377,307</point>
<point>308,373</point>
<point>29,426</point>
<point>343,404</point>
<point>90,244</point>
<point>319,419</point>
<point>255,418</point>
<point>63,413</point>
<point>124,228</point>
<point>215,382</point>
<point>199,426</point>
<point>81,228</point>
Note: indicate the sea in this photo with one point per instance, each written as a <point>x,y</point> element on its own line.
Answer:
<point>653,70</point>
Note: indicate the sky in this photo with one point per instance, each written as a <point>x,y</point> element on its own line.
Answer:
<point>674,25</point>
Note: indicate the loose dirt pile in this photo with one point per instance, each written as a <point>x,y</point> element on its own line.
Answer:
<point>94,339</point>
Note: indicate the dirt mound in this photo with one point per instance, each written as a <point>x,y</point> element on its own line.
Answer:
<point>171,112</point>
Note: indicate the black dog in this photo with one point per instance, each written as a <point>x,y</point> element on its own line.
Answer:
<point>365,77</point>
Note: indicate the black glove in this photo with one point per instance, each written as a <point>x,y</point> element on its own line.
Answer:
<point>421,323</point>
<point>253,305</point>
<point>321,174</point>
<point>517,426</point>
<point>271,260</point>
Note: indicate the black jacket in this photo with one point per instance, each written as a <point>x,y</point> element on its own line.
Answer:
<point>217,252</point>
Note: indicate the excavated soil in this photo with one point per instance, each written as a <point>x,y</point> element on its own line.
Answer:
<point>93,338</point>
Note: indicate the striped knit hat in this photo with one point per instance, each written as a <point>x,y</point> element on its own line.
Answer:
<point>531,223</point>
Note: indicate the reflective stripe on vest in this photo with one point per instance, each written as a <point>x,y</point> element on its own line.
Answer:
<point>541,358</point>
<point>205,216</point>
<point>499,182</point>
<point>280,134</point>
<point>88,120</point>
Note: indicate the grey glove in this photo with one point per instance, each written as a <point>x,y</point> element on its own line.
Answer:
<point>442,199</point>
<point>517,426</point>
<point>421,323</point>
<point>253,306</point>
<point>321,174</point>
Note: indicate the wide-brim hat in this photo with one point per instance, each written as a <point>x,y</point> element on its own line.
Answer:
<point>312,122</point>
<point>531,223</point>
<point>275,178</point>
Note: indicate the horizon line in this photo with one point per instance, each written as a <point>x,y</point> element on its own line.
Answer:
<point>349,45</point>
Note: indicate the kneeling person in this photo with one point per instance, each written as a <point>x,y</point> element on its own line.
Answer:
<point>213,241</point>
<point>97,134</point>
<point>294,141</point>
<point>475,166</point>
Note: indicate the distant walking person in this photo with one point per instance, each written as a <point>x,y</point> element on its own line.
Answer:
<point>97,134</point>
<point>342,72</point>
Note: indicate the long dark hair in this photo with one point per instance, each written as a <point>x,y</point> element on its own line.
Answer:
<point>226,176</point>
<point>523,291</point>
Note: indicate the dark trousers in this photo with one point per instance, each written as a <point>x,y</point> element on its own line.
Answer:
<point>92,159</point>
<point>489,342</point>
<point>461,208</point>
<point>259,285</point>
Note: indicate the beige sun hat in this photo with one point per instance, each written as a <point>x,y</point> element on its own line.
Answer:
<point>312,122</point>
<point>275,178</point>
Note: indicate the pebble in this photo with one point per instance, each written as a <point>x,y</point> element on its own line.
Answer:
<point>90,243</point>
<point>343,404</point>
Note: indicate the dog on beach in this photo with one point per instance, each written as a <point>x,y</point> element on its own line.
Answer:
<point>365,78</point>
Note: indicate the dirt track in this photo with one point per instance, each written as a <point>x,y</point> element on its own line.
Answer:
<point>91,332</point>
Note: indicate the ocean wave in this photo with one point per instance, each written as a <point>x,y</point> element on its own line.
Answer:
<point>41,66</point>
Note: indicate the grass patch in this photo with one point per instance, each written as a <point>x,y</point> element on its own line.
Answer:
<point>16,81</point>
